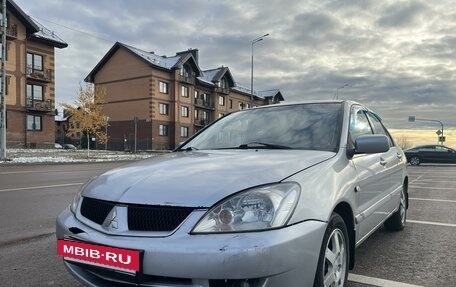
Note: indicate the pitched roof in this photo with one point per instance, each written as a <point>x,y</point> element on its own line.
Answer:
<point>215,75</point>
<point>274,94</point>
<point>35,29</point>
<point>47,36</point>
<point>30,26</point>
<point>150,58</point>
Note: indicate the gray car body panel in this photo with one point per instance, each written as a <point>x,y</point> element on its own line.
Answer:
<point>209,176</point>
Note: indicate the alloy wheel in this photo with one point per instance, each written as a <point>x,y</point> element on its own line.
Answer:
<point>335,260</point>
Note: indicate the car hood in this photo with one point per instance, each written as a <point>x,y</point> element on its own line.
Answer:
<point>199,178</point>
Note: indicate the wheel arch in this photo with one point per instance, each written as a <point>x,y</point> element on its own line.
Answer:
<point>406,184</point>
<point>345,211</point>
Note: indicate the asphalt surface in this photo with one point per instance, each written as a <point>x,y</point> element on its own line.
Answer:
<point>421,255</point>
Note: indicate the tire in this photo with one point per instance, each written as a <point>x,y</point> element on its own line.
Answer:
<point>397,221</point>
<point>414,160</point>
<point>333,261</point>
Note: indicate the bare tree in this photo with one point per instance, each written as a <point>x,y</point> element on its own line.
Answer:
<point>403,142</point>
<point>87,113</point>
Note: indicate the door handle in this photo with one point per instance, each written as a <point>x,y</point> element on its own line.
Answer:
<point>399,155</point>
<point>383,161</point>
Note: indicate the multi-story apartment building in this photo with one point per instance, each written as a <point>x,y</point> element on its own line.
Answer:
<point>30,88</point>
<point>161,101</point>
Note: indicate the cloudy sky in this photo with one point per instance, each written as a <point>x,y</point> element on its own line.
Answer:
<point>397,57</point>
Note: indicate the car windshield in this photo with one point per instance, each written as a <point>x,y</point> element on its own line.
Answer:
<point>302,126</point>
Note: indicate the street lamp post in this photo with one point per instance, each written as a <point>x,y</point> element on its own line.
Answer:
<point>251,75</point>
<point>412,119</point>
<point>106,143</point>
<point>337,90</point>
<point>3,86</point>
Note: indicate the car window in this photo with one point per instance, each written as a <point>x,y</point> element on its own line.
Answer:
<point>304,126</point>
<point>427,148</point>
<point>378,127</point>
<point>359,125</point>
<point>441,149</point>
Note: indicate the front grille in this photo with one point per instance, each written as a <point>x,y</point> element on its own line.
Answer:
<point>140,217</point>
<point>156,218</point>
<point>95,209</point>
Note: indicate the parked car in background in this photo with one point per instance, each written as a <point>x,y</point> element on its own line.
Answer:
<point>58,146</point>
<point>430,154</point>
<point>277,195</point>
<point>69,146</point>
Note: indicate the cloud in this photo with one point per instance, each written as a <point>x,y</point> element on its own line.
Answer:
<point>398,57</point>
<point>403,14</point>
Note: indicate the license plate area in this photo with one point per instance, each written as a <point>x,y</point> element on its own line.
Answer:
<point>114,258</point>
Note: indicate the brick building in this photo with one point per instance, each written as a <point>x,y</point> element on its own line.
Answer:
<point>165,99</point>
<point>30,88</point>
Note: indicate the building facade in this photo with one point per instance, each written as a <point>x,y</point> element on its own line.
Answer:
<point>157,102</point>
<point>30,86</point>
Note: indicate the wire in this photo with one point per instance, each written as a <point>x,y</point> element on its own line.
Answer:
<point>75,30</point>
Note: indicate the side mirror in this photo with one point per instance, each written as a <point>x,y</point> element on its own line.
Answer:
<point>369,144</point>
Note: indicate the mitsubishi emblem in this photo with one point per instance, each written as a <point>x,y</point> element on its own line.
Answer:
<point>110,220</point>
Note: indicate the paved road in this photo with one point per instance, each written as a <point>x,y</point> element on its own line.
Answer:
<point>421,255</point>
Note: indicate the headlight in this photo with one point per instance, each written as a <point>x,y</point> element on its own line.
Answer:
<point>258,208</point>
<point>74,204</point>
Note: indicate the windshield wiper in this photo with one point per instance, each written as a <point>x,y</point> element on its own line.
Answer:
<point>190,148</point>
<point>253,145</point>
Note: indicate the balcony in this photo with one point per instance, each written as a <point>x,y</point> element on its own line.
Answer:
<point>11,32</point>
<point>205,104</point>
<point>221,90</point>
<point>201,123</point>
<point>190,79</point>
<point>39,75</point>
<point>40,106</point>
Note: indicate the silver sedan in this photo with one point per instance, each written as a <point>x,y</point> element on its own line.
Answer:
<point>272,196</point>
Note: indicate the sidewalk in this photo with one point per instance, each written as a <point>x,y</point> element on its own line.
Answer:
<point>29,156</point>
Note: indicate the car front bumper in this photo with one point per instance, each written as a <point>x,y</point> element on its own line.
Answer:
<point>280,257</point>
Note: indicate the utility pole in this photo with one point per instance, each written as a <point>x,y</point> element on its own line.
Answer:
<point>3,86</point>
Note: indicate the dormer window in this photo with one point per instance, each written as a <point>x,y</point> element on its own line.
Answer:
<point>223,83</point>
<point>185,71</point>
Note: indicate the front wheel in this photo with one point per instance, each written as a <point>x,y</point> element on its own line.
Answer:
<point>332,270</point>
<point>414,160</point>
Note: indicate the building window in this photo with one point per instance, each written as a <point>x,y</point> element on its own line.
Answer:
<point>34,93</point>
<point>184,111</point>
<point>34,62</point>
<point>196,114</point>
<point>33,123</point>
<point>163,87</point>
<point>221,115</point>
<point>185,71</point>
<point>184,132</point>
<point>164,109</point>
<point>196,94</point>
<point>163,130</point>
<point>184,91</point>
<point>223,84</point>
<point>205,115</point>
<point>231,104</point>
<point>241,106</point>
<point>221,100</point>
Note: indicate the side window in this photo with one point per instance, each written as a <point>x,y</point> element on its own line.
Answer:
<point>359,125</point>
<point>379,129</point>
